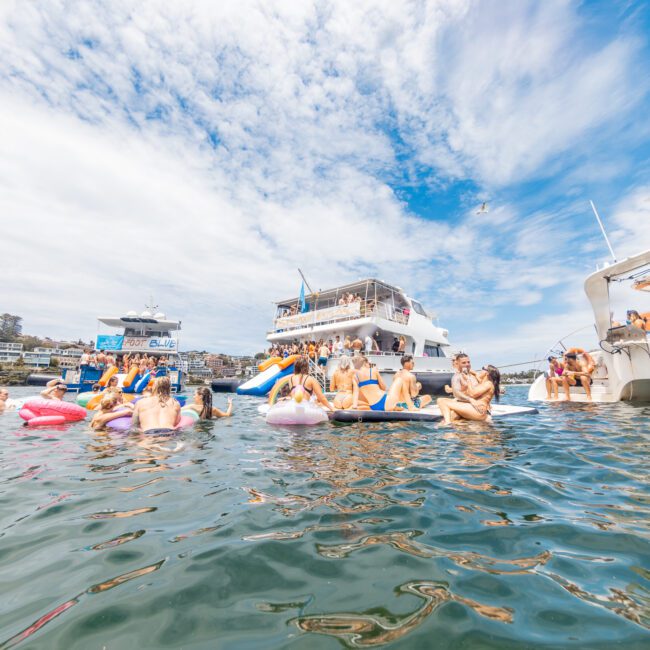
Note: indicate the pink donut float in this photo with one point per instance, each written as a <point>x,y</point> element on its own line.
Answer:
<point>48,412</point>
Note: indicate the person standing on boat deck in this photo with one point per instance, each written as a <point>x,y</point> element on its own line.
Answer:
<point>85,358</point>
<point>369,344</point>
<point>410,398</point>
<point>100,359</point>
<point>356,346</point>
<point>347,345</point>
<point>402,345</point>
<point>159,413</point>
<point>323,355</point>
<point>371,393</point>
<point>337,348</point>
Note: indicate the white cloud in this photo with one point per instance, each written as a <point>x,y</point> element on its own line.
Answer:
<point>203,151</point>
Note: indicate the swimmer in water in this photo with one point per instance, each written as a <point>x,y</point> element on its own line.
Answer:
<point>160,413</point>
<point>55,390</point>
<point>110,408</point>
<point>203,405</point>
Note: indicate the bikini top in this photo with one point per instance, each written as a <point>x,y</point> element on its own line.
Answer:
<point>367,382</point>
<point>302,383</point>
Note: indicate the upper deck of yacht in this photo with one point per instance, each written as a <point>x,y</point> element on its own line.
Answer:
<point>153,333</point>
<point>376,306</point>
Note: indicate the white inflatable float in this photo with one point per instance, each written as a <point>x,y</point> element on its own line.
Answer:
<point>296,410</point>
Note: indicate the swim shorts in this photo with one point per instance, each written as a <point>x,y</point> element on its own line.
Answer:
<point>159,432</point>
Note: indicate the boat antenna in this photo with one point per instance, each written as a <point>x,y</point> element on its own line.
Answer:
<point>305,281</point>
<point>602,228</point>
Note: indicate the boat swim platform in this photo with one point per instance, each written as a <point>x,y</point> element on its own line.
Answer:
<point>427,414</point>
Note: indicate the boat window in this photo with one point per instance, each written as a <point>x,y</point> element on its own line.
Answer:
<point>432,350</point>
<point>417,307</point>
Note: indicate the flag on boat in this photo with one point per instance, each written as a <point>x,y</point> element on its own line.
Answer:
<point>303,304</point>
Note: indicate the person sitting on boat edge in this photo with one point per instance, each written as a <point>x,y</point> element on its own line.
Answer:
<point>577,372</point>
<point>637,320</point>
<point>302,382</point>
<point>203,405</point>
<point>410,399</point>
<point>371,393</point>
<point>55,390</point>
<point>553,377</point>
<point>488,387</point>
<point>342,383</point>
<point>160,413</point>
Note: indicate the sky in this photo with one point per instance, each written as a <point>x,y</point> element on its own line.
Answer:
<point>200,153</point>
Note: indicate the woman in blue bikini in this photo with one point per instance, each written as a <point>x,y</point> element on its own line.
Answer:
<point>369,389</point>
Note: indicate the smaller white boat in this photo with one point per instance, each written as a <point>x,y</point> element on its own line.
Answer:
<point>623,359</point>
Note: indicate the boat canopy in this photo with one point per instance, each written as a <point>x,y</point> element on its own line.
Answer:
<point>370,289</point>
<point>141,324</point>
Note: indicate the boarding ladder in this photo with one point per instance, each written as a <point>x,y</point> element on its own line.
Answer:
<point>319,375</point>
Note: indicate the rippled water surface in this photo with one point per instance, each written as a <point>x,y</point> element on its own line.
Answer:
<point>533,532</point>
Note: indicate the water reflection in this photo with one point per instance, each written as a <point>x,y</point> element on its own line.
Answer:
<point>366,630</point>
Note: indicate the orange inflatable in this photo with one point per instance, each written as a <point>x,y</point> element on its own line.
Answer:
<point>268,363</point>
<point>94,401</point>
<point>130,376</point>
<point>113,370</point>
<point>285,363</point>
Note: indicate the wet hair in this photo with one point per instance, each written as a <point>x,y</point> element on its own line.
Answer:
<point>162,389</point>
<point>549,359</point>
<point>494,376</point>
<point>301,367</point>
<point>634,313</point>
<point>113,381</point>
<point>407,358</point>
<point>358,361</point>
<point>109,401</point>
<point>206,400</point>
<point>571,355</point>
<point>459,356</point>
<point>344,363</point>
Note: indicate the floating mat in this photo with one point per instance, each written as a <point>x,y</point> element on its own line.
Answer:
<point>427,414</point>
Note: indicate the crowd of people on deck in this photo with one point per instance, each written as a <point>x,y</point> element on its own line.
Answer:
<point>574,368</point>
<point>103,360</point>
<point>320,351</point>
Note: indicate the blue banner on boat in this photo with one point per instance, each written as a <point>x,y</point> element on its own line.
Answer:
<point>107,342</point>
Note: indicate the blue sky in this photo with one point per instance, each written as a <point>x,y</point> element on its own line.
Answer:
<point>200,152</point>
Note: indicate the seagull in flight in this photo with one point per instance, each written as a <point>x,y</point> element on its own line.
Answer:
<point>483,209</point>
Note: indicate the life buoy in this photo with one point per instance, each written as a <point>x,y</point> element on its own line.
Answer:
<point>113,370</point>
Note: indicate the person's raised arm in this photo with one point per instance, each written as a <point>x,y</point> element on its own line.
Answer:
<point>223,414</point>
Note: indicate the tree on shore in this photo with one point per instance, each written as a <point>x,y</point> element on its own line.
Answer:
<point>10,327</point>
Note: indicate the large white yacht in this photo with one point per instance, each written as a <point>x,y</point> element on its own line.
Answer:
<point>623,359</point>
<point>381,311</point>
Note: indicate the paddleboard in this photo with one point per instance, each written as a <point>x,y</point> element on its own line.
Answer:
<point>427,414</point>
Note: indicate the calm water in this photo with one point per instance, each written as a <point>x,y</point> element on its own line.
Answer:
<point>534,532</point>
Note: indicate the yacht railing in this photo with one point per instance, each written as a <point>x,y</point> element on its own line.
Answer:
<point>341,313</point>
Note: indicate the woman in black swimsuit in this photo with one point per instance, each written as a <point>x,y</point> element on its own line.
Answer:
<point>301,380</point>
